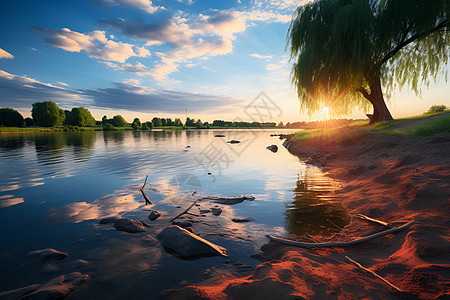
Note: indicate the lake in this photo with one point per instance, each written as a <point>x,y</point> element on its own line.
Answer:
<point>54,187</point>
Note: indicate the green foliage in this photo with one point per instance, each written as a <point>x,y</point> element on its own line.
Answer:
<point>436,109</point>
<point>144,126</point>
<point>137,121</point>
<point>136,126</point>
<point>177,122</point>
<point>47,114</point>
<point>10,117</point>
<point>108,126</point>
<point>435,126</point>
<point>156,122</point>
<point>150,125</point>
<point>189,122</point>
<point>118,121</point>
<point>340,48</point>
<point>199,124</point>
<point>79,116</point>
<point>29,122</point>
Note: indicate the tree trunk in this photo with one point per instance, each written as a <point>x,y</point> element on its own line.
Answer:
<point>380,110</point>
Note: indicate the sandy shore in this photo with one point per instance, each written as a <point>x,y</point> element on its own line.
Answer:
<point>394,178</point>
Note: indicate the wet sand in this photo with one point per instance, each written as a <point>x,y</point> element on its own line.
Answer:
<point>393,178</point>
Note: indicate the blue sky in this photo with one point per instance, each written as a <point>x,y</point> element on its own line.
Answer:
<point>142,59</point>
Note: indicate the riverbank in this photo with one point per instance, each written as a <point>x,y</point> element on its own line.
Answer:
<point>387,174</point>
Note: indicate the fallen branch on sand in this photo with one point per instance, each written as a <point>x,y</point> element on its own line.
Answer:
<point>363,217</point>
<point>186,210</point>
<point>340,244</point>
<point>374,274</point>
<point>147,201</point>
<point>183,212</point>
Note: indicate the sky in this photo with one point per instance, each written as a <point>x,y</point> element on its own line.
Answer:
<point>141,58</point>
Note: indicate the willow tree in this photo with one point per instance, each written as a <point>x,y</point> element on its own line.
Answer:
<point>345,52</point>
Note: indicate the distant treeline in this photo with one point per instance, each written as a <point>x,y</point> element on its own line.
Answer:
<point>48,114</point>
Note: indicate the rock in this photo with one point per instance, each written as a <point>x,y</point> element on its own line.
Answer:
<point>219,135</point>
<point>19,293</point>
<point>154,214</point>
<point>234,142</point>
<point>183,224</point>
<point>273,148</point>
<point>228,200</point>
<point>108,220</point>
<point>241,220</point>
<point>58,287</point>
<point>46,255</point>
<point>129,225</point>
<point>187,245</point>
<point>216,211</point>
<point>205,211</point>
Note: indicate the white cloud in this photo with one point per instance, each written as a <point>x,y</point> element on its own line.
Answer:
<point>95,44</point>
<point>256,55</point>
<point>62,83</point>
<point>273,67</point>
<point>144,5</point>
<point>4,54</point>
<point>21,91</point>
<point>138,69</point>
<point>6,75</point>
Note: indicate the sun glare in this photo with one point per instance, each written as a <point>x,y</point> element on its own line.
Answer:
<point>325,113</point>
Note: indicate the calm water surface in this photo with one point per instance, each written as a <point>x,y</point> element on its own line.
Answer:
<point>55,186</point>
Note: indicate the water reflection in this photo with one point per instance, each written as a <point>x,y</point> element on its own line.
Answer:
<point>315,209</point>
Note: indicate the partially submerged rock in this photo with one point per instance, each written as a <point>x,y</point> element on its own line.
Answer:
<point>154,214</point>
<point>234,142</point>
<point>58,287</point>
<point>241,220</point>
<point>227,200</point>
<point>129,225</point>
<point>19,293</point>
<point>45,255</point>
<point>219,135</point>
<point>216,211</point>
<point>187,245</point>
<point>108,220</point>
<point>273,148</point>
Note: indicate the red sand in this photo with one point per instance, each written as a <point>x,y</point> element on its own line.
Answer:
<point>388,177</point>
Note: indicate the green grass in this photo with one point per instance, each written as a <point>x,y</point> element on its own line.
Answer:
<point>46,129</point>
<point>30,129</point>
<point>434,126</point>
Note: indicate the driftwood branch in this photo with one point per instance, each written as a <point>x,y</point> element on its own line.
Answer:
<point>183,212</point>
<point>363,217</point>
<point>147,201</point>
<point>341,244</point>
<point>374,274</point>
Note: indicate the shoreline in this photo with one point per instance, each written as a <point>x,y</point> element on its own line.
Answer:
<point>393,178</point>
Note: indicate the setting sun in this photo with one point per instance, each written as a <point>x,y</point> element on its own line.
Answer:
<point>325,112</point>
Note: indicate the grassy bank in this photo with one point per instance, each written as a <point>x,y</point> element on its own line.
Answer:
<point>424,126</point>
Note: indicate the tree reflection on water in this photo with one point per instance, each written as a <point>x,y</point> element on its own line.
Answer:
<point>315,209</point>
